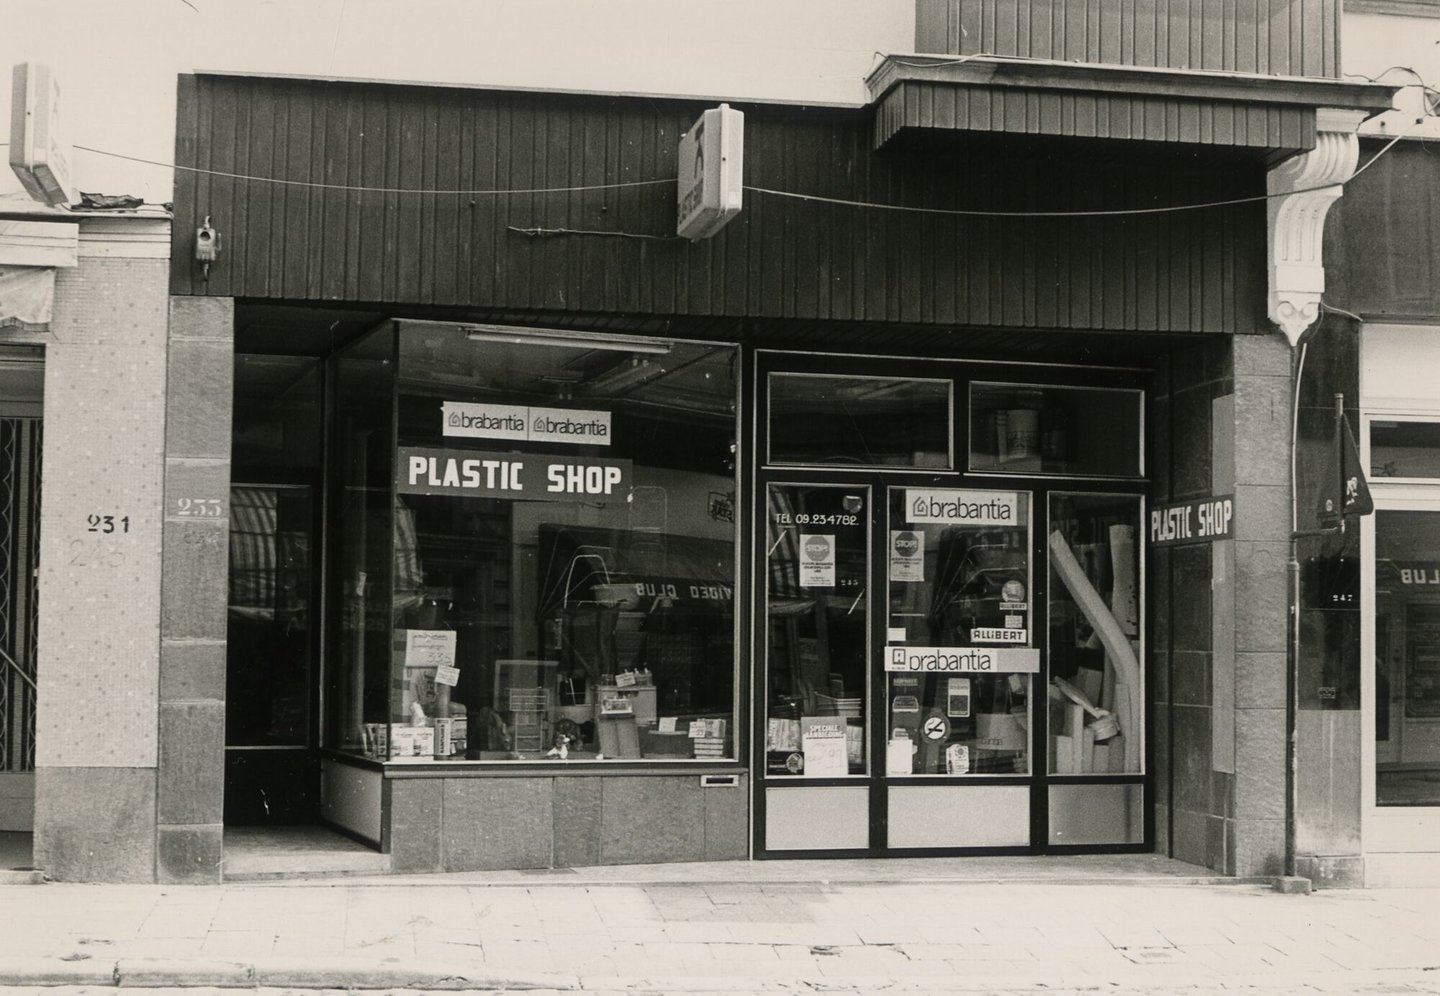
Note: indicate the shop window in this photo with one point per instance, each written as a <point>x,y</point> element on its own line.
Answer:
<point>1095,699</point>
<point>1070,431</point>
<point>1407,658</point>
<point>1404,449</point>
<point>825,420</point>
<point>563,519</point>
<point>960,651</point>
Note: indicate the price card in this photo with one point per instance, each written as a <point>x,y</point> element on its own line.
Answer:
<point>447,676</point>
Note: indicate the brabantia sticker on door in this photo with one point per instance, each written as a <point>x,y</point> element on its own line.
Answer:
<point>963,660</point>
<point>962,508</point>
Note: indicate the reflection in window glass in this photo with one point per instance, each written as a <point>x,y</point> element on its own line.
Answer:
<point>568,583</point>
<point>1020,429</point>
<point>818,543</point>
<point>1096,698</point>
<point>1407,658</point>
<point>1404,449</point>
<point>859,421</point>
<point>959,577</point>
<point>374,544</point>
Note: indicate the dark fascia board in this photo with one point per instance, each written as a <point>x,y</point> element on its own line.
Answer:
<point>1046,74</point>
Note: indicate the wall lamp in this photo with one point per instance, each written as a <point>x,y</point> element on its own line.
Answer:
<point>558,337</point>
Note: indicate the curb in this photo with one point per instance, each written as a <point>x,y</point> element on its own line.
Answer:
<point>294,973</point>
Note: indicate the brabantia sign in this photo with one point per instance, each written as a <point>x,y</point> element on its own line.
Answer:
<point>526,424</point>
<point>963,660</point>
<point>962,508</point>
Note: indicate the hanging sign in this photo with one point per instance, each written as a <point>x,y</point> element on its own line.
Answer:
<point>962,508</point>
<point>430,648</point>
<point>966,660</point>
<point>711,160</point>
<point>1203,520</point>
<point>39,155</point>
<point>525,424</point>
<point>513,476</point>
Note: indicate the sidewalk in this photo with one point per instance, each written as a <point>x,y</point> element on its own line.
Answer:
<point>1116,924</point>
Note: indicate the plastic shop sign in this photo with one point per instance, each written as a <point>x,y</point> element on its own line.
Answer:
<point>1203,520</point>
<point>967,660</point>
<point>514,476</point>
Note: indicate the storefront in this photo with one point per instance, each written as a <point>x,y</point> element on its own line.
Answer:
<point>557,539</point>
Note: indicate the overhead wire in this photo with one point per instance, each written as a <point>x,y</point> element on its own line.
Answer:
<point>768,191</point>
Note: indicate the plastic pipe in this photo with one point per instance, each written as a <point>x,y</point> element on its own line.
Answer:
<point>1112,637</point>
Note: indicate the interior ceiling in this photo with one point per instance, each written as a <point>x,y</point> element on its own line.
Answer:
<point>265,327</point>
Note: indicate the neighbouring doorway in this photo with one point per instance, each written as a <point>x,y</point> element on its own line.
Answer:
<point>22,376</point>
<point>272,767</point>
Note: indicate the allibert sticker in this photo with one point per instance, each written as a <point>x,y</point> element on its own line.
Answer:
<point>966,660</point>
<point>520,422</point>
<point>516,476</point>
<point>962,508</point>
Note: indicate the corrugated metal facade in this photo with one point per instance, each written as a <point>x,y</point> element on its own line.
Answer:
<point>1274,37</point>
<point>781,258</point>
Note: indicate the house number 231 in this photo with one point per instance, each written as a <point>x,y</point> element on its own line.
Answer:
<point>107,523</point>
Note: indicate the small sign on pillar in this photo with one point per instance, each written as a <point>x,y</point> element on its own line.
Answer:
<point>712,161</point>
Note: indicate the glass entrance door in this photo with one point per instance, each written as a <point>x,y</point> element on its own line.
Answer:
<point>959,662</point>
<point>817,676</point>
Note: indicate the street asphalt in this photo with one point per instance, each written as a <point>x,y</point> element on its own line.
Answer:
<point>1105,926</point>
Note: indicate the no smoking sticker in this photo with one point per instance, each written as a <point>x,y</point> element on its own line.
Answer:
<point>935,728</point>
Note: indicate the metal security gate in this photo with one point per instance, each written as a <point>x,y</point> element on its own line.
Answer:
<point>20,439</point>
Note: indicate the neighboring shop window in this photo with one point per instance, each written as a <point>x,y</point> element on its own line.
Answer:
<point>817,636</point>
<point>1408,449</point>
<point>1070,431</point>
<point>820,419</point>
<point>959,649</point>
<point>1407,658</point>
<point>565,562</point>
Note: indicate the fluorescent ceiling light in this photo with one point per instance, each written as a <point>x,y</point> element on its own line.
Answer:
<point>623,377</point>
<point>559,337</point>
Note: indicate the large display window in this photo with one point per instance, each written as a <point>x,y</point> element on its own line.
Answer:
<point>558,583</point>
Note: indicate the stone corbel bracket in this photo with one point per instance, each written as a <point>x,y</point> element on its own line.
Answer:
<point>1309,183</point>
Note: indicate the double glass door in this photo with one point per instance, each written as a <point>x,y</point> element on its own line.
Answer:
<point>947,668</point>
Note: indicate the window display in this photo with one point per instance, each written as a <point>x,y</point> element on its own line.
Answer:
<point>959,647</point>
<point>1095,699</point>
<point>564,565</point>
